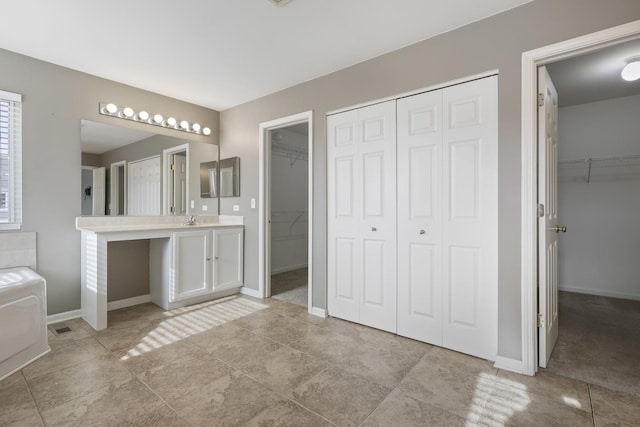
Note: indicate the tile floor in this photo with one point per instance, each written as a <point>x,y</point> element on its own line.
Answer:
<point>242,361</point>
<point>291,286</point>
<point>599,341</point>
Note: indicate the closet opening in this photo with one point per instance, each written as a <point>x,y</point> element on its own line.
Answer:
<point>598,197</point>
<point>286,187</point>
<point>289,216</point>
<point>586,187</point>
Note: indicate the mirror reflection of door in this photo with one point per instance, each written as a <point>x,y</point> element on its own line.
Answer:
<point>118,188</point>
<point>92,191</point>
<point>178,191</point>
<point>226,182</point>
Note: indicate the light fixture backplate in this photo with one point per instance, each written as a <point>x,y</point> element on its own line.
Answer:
<point>279,3</point>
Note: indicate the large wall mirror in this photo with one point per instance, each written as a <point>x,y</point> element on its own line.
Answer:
<point>132,172</point>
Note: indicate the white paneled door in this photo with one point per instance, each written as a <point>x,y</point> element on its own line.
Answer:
<point>447,217</point>
<point>362,216</point>
<point>470,218</point>
<point>143,187</point>
<point>548,223</point>
<point>420,217</point>
<point>433,215</point>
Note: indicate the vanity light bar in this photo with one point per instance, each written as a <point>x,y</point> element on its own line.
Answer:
<point>128,113</point>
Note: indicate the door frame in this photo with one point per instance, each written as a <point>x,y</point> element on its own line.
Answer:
<point>264,204</point>
<point>531,60</point>
<point>114,187</point>
<point>166,178</point>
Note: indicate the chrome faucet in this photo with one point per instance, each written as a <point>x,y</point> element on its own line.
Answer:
<point>191,220</point>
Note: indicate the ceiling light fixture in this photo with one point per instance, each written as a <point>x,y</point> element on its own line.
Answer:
<point>631,71</point>
<point>142,116</point>
<point>280,3</point>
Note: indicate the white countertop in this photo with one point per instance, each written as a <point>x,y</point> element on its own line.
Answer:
<point>114,224</point>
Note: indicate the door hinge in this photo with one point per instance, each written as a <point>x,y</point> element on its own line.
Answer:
<point>172,209</point>
<point>541,100</point>
<point>172,167</point>
<point>540,210</point>
<point>540,320</point>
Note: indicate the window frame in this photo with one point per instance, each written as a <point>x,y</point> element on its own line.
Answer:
<point>14,191</point>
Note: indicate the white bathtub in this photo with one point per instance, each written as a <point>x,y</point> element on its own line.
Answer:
<point>23,319</point>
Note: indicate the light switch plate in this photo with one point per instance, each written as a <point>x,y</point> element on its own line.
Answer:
<point>253,203</point>
<point>193,204</point>
<point>205,208</point>
<point>236,208</point>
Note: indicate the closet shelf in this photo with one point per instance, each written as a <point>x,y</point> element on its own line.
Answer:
<point>625,164</point>
<point>292,152</point>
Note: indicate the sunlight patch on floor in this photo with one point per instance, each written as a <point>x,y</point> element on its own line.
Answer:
<point>497,399</point>
<point>188,321</point>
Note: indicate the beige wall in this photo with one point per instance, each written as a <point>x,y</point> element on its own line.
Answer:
<point>495,43</point>
<point>55,99</point>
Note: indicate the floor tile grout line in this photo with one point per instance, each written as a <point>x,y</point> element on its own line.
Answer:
<point>593,413</point>
<point>292,400</point>
<point>33,399</point>
<point>69,366</point>
<point>136,377</point>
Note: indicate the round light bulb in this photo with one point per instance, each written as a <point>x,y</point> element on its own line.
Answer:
<point>206,131</point>
<point>111,108</point>
<point>184,124</point>
<point>157,118</point>
<point>195,127</point>
<point>171,121</point>
<point>143,115</point>
<point>128,112</point>
<point>631,72</point>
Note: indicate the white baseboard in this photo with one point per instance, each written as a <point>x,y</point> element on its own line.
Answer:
<point>62,317</point>
<point>250,292</point>
<point>320,312</point>
<point>290,268</point>
<point>128,302</point>
<point>113,305</point>
<point>508,364</point>
<point>599,293</point>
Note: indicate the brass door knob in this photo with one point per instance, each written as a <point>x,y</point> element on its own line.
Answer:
<point>558,229</point>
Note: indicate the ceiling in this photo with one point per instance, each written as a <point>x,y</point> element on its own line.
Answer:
<point>595,76</point>
<point>220,54</point>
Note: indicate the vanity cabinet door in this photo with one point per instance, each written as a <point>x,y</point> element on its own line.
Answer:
<point>227,265</point>
<point>190,277</point>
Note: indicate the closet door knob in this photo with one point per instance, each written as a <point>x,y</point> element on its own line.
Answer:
<point>423,232</point>
<point>374,229</point>
<point>558,229</point>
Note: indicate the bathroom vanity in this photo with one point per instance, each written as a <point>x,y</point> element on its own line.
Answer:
<point>188,263</point>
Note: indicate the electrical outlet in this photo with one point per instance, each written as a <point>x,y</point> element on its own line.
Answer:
<point>253,203</point>
<point>236,208</point>
<point>205,208</point>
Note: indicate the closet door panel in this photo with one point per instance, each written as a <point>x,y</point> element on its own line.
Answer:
<point>377,151</point>
<point>470,220</point>
<point>344,212</point>
<point>419,217</point>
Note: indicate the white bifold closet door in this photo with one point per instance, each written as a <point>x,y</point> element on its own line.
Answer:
<point>448,217</point>
<point>362,215</point>
<point>144,187</point>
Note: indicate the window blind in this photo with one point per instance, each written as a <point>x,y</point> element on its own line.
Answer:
<point>10,160</point>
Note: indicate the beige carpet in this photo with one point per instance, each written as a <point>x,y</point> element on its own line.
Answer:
<point>291,286</point>
<point>599,341</point>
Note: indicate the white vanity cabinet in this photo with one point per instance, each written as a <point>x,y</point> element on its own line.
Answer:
<point>197,265</point>
<point>227,262</point>
<point>189,277</point>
